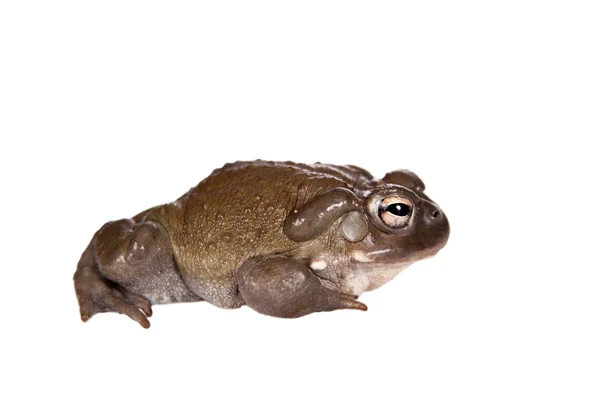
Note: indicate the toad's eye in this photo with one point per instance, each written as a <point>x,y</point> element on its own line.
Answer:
<point>395,211</point>
<point>399,209</point>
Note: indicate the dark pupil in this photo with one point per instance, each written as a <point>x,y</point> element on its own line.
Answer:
<point>399,209</point>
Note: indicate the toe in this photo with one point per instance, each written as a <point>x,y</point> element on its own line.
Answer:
<point>331,300</point>
<point>133,312</point>
<point>140,303</point>
<point>86,307</point>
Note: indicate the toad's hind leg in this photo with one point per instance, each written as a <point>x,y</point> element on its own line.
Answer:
<point>127,267</point>
<point>284,287</point>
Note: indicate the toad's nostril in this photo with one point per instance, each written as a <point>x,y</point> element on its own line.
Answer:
<point>435,213</point>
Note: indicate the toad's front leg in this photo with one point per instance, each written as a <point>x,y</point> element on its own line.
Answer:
<point>284,287</point>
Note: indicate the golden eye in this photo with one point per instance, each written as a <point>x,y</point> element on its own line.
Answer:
<point>395,212</point>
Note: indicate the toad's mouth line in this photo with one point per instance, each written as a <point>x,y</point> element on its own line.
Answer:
<point>371,259</point>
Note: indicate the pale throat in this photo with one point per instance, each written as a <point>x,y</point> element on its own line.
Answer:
<point>364,274</point>
<point>370,277</point>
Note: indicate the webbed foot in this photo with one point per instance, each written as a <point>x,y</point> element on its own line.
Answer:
<point>97,294</point>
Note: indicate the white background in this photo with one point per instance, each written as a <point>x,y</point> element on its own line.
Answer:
<point>107,108</point>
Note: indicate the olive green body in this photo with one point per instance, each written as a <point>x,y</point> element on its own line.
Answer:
<point>238,213</point>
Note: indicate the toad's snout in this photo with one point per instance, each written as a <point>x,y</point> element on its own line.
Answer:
<point>436,228</point>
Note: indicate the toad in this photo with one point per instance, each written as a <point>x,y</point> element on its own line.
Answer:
<point>285,239</point>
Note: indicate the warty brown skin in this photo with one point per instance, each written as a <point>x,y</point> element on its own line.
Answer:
<point>285,239</point>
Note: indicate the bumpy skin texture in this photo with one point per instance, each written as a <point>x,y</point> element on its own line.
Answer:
<point>285,239</point>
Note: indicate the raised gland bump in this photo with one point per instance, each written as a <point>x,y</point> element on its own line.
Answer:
<point>314,217</point>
